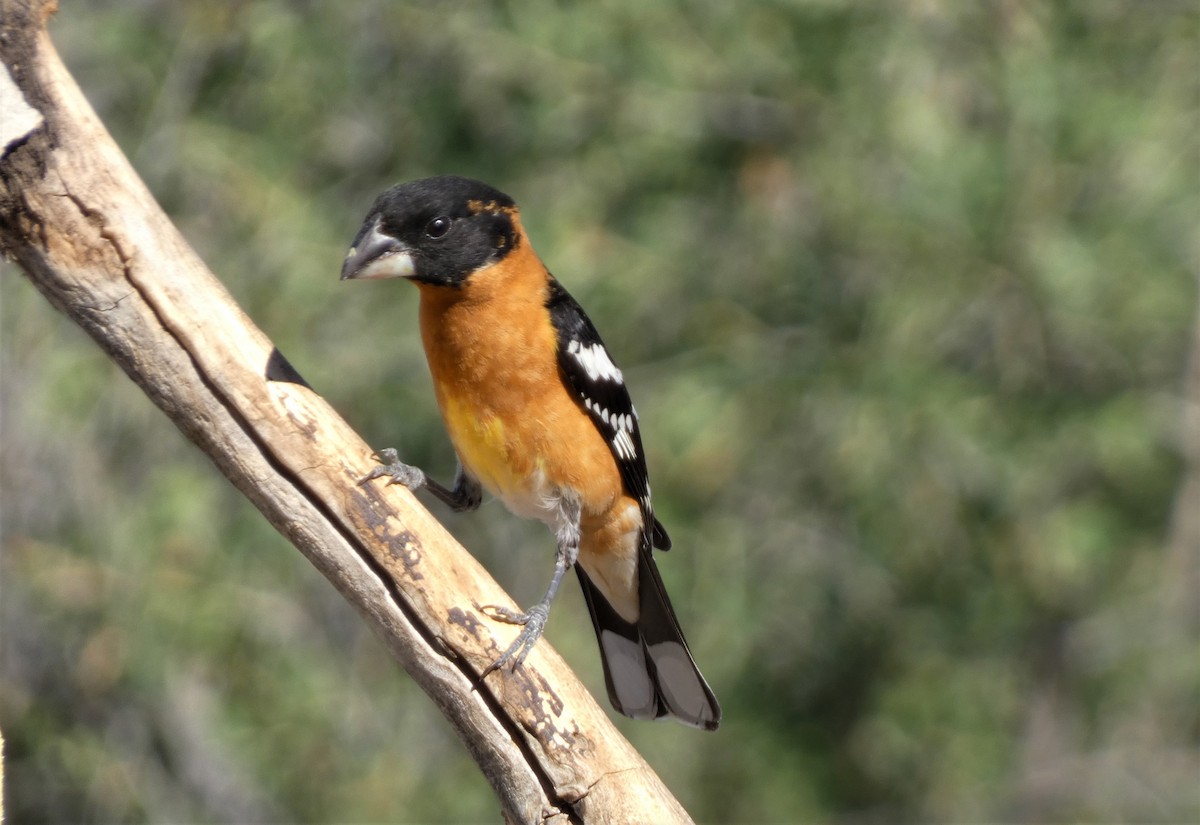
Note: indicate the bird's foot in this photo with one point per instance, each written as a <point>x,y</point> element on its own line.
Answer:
<point>533,622</point>
<point>396,471</point>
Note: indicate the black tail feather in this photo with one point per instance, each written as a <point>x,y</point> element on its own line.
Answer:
<point>648,669</point>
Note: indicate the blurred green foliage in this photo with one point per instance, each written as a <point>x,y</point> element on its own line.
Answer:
<point>904,292</point>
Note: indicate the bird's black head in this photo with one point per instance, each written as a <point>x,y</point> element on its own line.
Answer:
<point>435,230</point>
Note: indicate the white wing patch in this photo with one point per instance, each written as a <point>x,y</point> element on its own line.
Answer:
<point>624,444</point>
<point>595,361</point>
<point>623,423</point>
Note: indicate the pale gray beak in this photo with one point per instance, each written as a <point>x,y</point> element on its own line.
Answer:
<point>376,255</point>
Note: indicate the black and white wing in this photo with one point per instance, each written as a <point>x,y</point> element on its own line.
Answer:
<point>600,387</point>
<point>648,669</point>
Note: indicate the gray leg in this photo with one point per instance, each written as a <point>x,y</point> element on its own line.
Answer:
<point>466,494</point>
<point>534,619</point>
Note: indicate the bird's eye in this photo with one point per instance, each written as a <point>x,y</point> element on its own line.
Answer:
<point>437,227</point>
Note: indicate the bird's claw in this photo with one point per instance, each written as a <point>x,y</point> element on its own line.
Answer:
<point>533,622</point>
<point>395,470</point>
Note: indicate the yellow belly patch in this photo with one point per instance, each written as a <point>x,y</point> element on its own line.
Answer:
<point>482,445</point>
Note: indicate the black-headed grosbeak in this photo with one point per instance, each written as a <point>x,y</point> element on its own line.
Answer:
<point>540,417</point>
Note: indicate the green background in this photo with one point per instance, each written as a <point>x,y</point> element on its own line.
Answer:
<point>904,292</point>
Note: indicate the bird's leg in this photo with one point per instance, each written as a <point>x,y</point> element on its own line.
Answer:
<point>466,494</point>
<point>534,619</point>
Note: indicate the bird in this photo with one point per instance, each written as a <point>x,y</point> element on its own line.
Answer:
<point>540,418</point>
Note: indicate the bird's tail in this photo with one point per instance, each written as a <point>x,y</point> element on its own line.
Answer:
<point>648,668</point>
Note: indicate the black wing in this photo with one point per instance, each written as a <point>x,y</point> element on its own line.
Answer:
<point>600,388</point>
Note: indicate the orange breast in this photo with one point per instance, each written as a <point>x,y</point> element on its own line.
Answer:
<point>515,426</point>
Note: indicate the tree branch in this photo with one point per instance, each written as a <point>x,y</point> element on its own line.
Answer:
<point>77,218</point>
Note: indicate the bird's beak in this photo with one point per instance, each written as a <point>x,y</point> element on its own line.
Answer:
<point>376,255</point>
